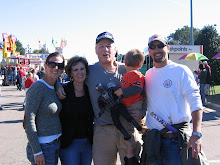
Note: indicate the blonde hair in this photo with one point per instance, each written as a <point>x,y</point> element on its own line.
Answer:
<point>134,58</point>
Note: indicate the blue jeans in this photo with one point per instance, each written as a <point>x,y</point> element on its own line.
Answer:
<point>78,153</point>
<point>202,93</point>
<point>21,83</point>
<point>170,152</point>
<point>50,152</point>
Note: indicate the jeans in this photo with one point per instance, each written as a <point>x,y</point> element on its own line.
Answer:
<point>50,152</point>
<point>170,152</point>
<point>21,83</point>
<point>78,153</point>
<point>202,93</point>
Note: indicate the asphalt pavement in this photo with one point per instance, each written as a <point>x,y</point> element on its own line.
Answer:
<point>13,139</point>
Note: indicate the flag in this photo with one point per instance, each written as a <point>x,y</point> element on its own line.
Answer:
<point>53,42</point>
<point>39,45</point>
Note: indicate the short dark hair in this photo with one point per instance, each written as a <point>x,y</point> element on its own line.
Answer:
<point>134,58</point>
<point>55,54</point>
<point>74,61</point>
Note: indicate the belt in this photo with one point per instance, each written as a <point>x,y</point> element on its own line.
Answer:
<point>170,135</point>
<point>105,125</point>
<point>80,137</point>
<point>55,140</point>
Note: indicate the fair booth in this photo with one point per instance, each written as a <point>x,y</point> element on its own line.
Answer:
<point>177,51</point>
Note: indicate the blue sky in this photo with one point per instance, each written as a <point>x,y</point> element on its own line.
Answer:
<point>79,22</point>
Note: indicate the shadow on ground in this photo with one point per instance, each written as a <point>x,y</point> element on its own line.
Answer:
<point>13,107</point>
<point>11,122</point>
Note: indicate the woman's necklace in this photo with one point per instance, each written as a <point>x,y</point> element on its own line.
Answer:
<point>79,90</point>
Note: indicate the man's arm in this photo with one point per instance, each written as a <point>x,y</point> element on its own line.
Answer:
<point>195,141</point>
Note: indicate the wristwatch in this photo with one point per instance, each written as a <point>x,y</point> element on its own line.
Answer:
<point>199,134</point>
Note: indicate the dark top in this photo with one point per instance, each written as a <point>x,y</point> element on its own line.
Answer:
<point>202,76</point>
<point>208,79</point>
<point>76,116</point>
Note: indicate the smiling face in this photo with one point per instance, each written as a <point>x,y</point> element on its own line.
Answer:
<point>54,73</point>
<point>159,55</point>
<point>106,50</point>
<point>78,72</point>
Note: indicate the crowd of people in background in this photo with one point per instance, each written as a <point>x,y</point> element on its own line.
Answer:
<point>203,79</point>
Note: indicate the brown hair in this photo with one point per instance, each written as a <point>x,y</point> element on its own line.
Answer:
<point>74,61</point>
<point>134,58</point>
<point>55,54</point>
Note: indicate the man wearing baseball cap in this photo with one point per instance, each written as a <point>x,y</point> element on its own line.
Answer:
<point>106,139</point>
<point>173,100</point>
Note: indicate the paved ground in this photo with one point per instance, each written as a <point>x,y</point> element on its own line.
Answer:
<point>13,139</point>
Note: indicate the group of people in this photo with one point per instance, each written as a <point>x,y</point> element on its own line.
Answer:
<point>78,123</point>
<point>24,79</point>
<point>203,78</point>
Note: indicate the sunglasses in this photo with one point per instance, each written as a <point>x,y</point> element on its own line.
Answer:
<point>159,46</point>
<point>51,64</point>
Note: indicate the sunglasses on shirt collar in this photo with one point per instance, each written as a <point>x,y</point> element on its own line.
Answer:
<point>51,64</point>
<point>159,46</point>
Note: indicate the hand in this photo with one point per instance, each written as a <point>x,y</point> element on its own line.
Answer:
<point>60,92</point>
<point>195,142</point>
<point>39,159</point>
<point>118,92</point>
<point>137,115</point>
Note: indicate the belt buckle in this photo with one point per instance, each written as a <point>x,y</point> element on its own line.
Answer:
<point>170,134</point>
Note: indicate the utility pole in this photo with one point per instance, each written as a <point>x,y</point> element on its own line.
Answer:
<point>192,40</point>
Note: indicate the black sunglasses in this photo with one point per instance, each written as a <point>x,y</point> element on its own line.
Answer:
<point>159,46</point>
<point>51,64</point>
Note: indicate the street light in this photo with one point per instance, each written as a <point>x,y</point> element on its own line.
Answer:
<point>192,40</point>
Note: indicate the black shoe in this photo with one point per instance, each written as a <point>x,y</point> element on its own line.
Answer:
<point>131,161</point>
<point>1,108</point>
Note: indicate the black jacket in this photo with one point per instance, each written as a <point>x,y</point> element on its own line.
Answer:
<point>75,116</point>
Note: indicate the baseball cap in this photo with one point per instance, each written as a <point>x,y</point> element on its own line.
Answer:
<point>106,35</point>
<point>157,37</point>
<point>205,62</point>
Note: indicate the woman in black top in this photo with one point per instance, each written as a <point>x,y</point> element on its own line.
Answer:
<point>76,116</point>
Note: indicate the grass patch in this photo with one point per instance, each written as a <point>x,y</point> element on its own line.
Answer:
<point>217,89</point>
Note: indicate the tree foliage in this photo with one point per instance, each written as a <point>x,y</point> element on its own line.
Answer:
<point>182,36</point>
<point>1,45</point>
<point>210,39</point>
<point>42,50</point>
<point>19,47</point>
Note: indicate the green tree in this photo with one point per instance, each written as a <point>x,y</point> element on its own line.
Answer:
<point>1,45</point>
<point>210,39</point>
<point>182,36</point>
<point>19,47</point>
<point>42,50</point>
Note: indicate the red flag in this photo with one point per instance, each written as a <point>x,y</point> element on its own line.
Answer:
<point>39,45</point>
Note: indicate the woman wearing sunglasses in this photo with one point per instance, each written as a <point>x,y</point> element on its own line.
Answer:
<point>42,126</point>
<point>76,116</point>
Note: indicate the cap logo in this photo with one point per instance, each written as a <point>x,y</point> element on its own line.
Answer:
<point>105,35</point>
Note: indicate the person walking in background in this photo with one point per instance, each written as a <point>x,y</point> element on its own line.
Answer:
<point>202,79</point>
<point>173,99</point>
<point>42,123</point>
<point>131,88</point>
<point>76,116</point>
<point>195,74</point>
<point>41,73</point>
<point>29,80</point>
<point>27,84</point>
<point>208,78</point>
<point>106,139</point>
<point>35,76</point>
<point>22,75</point>
<point>0,99</point>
